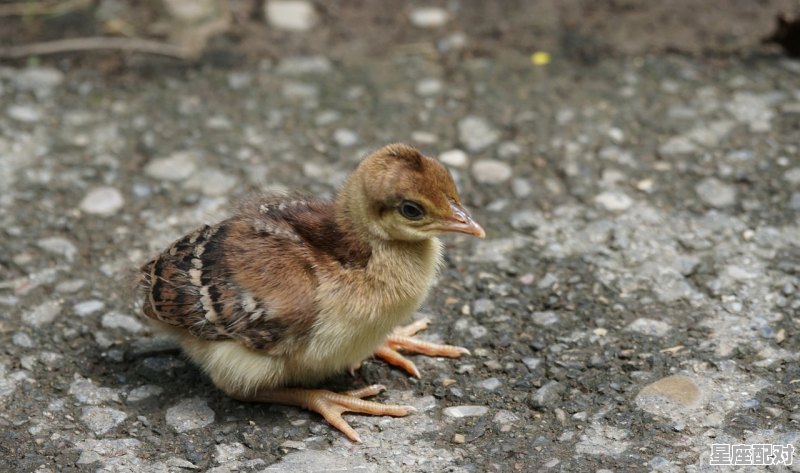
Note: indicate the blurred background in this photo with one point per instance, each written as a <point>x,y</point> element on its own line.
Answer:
<point>220,32</point>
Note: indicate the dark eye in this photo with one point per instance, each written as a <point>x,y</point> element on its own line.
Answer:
<point>411,210</point>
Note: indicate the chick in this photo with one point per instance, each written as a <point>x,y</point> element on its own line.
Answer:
<point>290,291</point>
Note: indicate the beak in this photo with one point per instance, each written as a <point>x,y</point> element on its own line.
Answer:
<point>461,222</point>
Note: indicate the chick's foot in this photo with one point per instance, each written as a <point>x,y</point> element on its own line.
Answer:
<point>331,405</point>
<point>401,340</point>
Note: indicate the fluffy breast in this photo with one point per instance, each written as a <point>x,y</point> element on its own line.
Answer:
<point>355,319</point>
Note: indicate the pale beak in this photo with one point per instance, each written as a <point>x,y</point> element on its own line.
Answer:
<point>460,222</point>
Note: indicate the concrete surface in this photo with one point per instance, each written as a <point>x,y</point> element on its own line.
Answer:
<point>634,303</point>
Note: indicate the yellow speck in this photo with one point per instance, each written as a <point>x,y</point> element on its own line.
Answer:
<point>540,58</point>
<point>459,438</point>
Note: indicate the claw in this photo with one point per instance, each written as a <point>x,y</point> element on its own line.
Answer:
<point>332,405</point>
<point>401,339</point>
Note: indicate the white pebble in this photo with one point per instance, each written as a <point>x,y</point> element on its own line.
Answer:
<point>103,201</point>
<point>42,314</point>
<point>143,392</point>
<point>22,339</point>
<point>458,412</point>
<point>211,182</point>
<point>491,384</point>
<point>613,201</point>
<point>716,193</point>
<point>291,15</point>
<point>429,17</point>
<point>117,320</point>
<point>38,79</point>
<point>88,307</point>
<point>532,362</point>
<point>189,414</point>
<point>476,133</point>
<point>102,419</point>
<point>344,137</point>
<point>24,113</point>
<point>175,167</point>
<point>491,171</point>
<point>59,246</point>
<point>652,327</point>
<point>455,158</point>
<point>428,87</point>
<point>228,452</point>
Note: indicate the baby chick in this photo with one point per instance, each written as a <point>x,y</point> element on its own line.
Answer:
<point>290,291</point>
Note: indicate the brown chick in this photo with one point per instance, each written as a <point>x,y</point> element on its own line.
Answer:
<point>290,291</point>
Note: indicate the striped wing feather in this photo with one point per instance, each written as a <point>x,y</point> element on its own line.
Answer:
<point>251,278</point>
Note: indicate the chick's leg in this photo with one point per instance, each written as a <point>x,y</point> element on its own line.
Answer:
<point>401,339</point>
<point>331,405</point>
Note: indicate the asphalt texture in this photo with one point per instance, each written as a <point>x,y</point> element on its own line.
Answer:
<point>634,302</point>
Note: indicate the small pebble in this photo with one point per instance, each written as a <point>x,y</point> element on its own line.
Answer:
<point>651,327</point>
<point>102,419</point>
<point>116,320</point>
<point>645,185</point>
<point>521,187</point>
<point>545,318</point>
<point>71,286</point>
<point>189,414</point>
<point>428,17</point>
<point>678,391</point>
<point>86,392</point>
<point>42,314</point>
<point>103,201</point>
<point>211,182</point>
<point>490,384</point>
<point>792,175</point>
<point>58,246</point>
<point>454,158</point>
<point>175,167</point>
<point>482,307</point>
<point>478,331</point>
<point>302,65</point>
<point>24,113</point>
<point>38,79</point>
<point>459,438</point>
<point>458,412</point>
<point>294,445</point>
<point>290,15</point>
<point>531,362</point>
<point>613,201</point>
<point>716,193</point>
<point>88,307</point>
<point>525,219</point>
<point>428,87</point>
<point>424,137</point>
<point>345,137</point>
<point>467,368</point>
<point>22,339</point>
<point>143,392</point>
<point>476,133</point>
<point>547,395</point>
<point>491,171</point>
<point>228,452</point>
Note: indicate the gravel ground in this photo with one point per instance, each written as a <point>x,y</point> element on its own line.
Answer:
<point>632,305</point>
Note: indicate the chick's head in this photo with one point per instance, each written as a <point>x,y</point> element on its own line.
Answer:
<point>404,195</point>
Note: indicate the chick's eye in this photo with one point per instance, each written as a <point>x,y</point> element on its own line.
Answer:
<point>411,210</point>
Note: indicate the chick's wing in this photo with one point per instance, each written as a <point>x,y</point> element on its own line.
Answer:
<point>251,278</point>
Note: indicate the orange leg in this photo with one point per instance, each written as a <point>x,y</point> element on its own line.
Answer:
<point>401,339</point>
<point>331,405</point>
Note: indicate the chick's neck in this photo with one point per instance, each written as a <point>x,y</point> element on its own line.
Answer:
<point>358,222</point>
